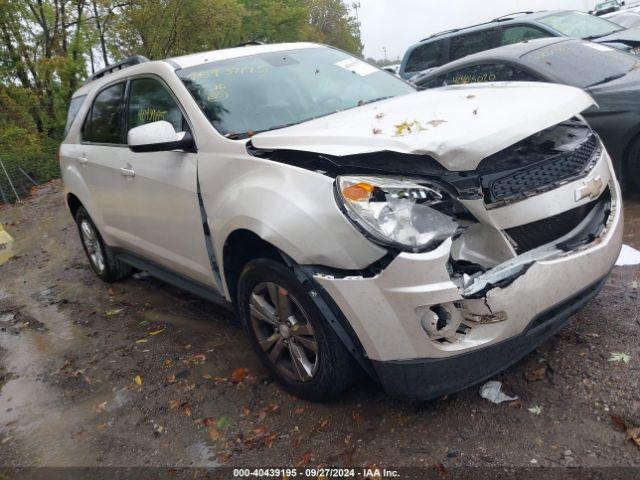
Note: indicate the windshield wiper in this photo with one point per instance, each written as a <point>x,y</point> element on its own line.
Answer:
<point>374,100</point>
<point>593,37</point>
<point>608,79</point>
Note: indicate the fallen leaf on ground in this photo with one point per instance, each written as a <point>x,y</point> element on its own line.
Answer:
<point>173,404</point>
<point>223,423</point>
<point>620,357</point>
<point>223,457</point>
<point>112,313</point>
<point>535,375</point>
<point>167,362</point>
<point>137,380</point>
<point>299,410</point>
<point>305,459</point>
<point>238,375</point>
<point>633,434</point>
<point>142,340</point>
<point>199,358</point>
<point>158,332</point>
<point>535,409</point>
<point>619,423</point>
<point>102,407</point>
<point>102,426</point>
<point>6,440</point>
<point>245,411</point>
<point>186,409</point>
<point>357,417</point>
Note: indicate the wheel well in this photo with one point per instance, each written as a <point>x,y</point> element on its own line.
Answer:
<point>74,204</point>
<point>240,248</point>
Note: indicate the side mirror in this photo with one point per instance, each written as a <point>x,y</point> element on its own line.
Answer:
<point>159,137</point>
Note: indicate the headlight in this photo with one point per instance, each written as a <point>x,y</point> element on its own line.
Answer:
<point>395,212</point>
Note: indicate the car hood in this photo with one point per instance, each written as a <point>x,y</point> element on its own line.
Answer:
<point>457,126</point>
<point>629,35</point>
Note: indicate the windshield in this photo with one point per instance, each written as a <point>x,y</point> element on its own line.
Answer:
<point>627,20</point>
<point>581,64</point>
<point>580,25</point>
<point>251,94</point>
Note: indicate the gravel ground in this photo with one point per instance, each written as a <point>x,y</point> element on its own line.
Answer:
<point>141,374</point>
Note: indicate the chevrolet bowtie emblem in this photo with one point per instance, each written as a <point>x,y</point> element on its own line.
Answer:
<point>591,189</point>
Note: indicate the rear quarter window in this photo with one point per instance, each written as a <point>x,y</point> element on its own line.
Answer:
<point>427,55</point>
<point>72,113</point>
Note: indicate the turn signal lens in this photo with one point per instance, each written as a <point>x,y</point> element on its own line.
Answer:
<point>358,192</point>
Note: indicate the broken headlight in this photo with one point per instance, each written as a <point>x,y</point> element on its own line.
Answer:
<point>396,212</point>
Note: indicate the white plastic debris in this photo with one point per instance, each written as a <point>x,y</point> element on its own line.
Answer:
<point>628,256</point>
<point>492,391</point>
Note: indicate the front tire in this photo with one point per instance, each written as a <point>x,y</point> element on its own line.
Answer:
<point>290,334</point>
<point>101,258</point>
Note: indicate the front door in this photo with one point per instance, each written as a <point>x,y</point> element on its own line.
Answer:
<point>161,198</point>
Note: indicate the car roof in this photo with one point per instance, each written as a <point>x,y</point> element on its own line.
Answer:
<point>194,59</point>
<point>508,19</point>
<point>505,53</point>
<point>191,60</point>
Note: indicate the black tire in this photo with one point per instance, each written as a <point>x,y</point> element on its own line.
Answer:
<point>334,370</point>
<point>101,258</point>
<point>631,176</point>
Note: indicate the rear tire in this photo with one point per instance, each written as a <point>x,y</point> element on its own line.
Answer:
<point>290,335</point>
<point>631,169</point>
<point>101,258</point>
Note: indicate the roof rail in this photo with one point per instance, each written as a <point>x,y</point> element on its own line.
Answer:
<point>453,30</point>
<point>510,15</point>
<point>127,62</point>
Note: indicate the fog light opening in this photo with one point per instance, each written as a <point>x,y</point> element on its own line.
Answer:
<point>440,323</point>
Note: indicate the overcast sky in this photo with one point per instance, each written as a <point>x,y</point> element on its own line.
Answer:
<point>397,24</point>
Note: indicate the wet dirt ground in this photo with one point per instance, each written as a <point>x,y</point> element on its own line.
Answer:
<point>141,374</point>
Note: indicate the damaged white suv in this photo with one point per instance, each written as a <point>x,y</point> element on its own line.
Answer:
<point>430,239</point>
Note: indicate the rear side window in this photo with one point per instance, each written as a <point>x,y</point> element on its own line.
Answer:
<point>424,56</point>
<point>74,108</point>
<point>498,72</point>
<point>520,33</point>
<point>470,43</point>
<point>104,122</point>
<point>150,101</point>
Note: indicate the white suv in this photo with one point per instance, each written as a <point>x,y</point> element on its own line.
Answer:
<point>430,239</point>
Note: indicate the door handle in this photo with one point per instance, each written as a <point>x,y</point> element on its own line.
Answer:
<point>82,160</point>
<point>128,171</point>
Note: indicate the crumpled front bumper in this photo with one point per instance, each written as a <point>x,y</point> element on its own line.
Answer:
<point>384,311</point>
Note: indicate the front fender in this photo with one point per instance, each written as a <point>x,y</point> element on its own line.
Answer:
<point>289,207</point>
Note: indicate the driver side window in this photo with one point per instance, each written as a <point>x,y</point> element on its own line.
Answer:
<point>149,101</point>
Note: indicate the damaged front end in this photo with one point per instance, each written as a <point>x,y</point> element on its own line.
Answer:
<point>482,259</point>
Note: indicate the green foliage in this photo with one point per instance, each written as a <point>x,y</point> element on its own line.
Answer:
<point>48,47</point>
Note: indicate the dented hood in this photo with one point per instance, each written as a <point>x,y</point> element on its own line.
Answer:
<point>457,126</point>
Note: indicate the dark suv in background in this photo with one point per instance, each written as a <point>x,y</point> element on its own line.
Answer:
<point>451,45</point>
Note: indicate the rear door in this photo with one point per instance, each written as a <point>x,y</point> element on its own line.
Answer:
<point>101,155</point>
<point>161,197</point>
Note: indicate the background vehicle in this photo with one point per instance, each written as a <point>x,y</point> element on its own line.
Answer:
<point>287,181</point>
<point>625,18</point>
<point>612,77</point>
<point>452,45</point>
<point>607,7</point>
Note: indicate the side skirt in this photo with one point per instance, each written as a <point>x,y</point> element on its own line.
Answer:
<point>173,278</point>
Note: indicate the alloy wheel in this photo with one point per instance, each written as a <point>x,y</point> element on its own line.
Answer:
<point>92,245</point>
<point>284,332</point>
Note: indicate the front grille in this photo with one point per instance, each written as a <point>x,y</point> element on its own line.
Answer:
<point>551,172</point>
<point>534,235</point>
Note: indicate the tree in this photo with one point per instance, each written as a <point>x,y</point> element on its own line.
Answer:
<point>331,23</point>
